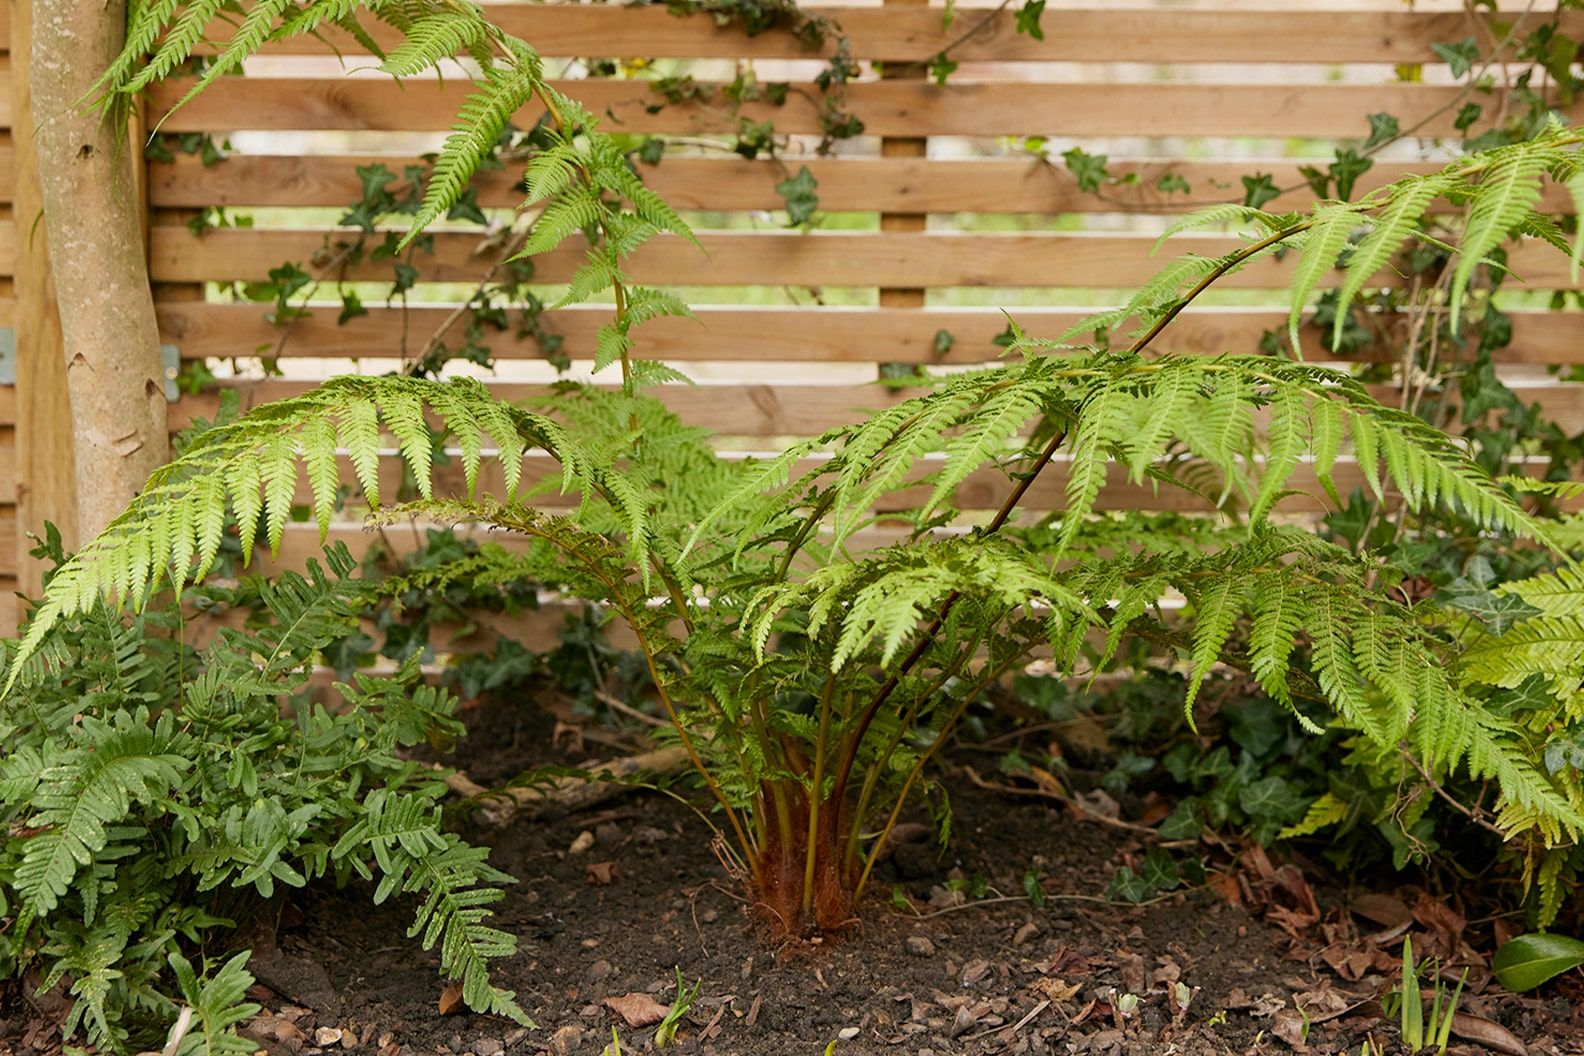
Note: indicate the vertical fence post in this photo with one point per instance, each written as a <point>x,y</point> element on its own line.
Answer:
<point>903,147</point>
<point>46,483</point>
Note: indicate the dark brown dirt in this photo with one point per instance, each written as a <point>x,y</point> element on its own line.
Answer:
<point>946,975</point>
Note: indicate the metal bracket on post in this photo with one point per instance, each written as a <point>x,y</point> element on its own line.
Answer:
<point>170,356</point>
<point>7,356</point>
<point>170,360</point>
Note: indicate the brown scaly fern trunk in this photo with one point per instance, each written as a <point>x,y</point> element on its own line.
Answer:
<point>92,216</point>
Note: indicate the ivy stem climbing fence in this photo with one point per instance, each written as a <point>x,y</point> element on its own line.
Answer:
<point>869,230</point>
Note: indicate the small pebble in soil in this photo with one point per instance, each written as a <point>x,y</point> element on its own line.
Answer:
<point>488,1047</point>
<point>1025,933</point>
<point>599,969</point>
<point>919,946</point>
<point>566,1040</point>
<point>583,842</point>
<point>846,1033</point>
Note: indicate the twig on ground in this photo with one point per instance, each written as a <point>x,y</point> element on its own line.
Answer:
<point>568,794</point>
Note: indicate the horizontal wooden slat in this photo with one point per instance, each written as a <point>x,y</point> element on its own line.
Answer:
<point>1086,34</point>
<point>912,185</point>
<point>748,410</point>
<point>885,107</point>
<point>900,259</point>
<point>826,335</point>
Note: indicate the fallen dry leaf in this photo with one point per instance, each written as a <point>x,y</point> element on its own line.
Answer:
<point>1290,1027</point>
<point>1388,911</point>
<point>1488,1033</point>
<point>1056,990</point>
<point>1226,885</point>
<point>451,999</point>
<point>601,873</point>
<point>638,1010</point>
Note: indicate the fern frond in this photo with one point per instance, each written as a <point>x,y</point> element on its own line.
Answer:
<point>1506,194</point>
<point>430,40</point>
<point>480,122</point>
<point>246,466</point>
<point>111,766</point>
<point>1406,203</point>
<point>1329,228</point>
<point>178,43</point>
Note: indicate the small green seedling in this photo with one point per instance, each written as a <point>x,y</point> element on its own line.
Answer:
<point>1420,1031</point>
<point>684,1001</point>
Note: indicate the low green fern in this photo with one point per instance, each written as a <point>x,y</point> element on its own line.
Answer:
<point>143,783</point>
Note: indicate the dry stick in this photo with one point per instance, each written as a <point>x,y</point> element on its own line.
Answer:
<point>509,251</point>
<point>1476,816</point>
<point>567,794</point>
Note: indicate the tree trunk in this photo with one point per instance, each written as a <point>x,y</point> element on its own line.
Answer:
<point>92,215</point>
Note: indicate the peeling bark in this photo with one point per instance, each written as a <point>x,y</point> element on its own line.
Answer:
<point>93,218</point>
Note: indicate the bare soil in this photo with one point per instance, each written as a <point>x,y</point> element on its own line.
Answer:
<point>950,956</point>
<point>926,970</point>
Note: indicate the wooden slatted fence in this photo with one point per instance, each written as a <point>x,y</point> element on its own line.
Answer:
<point>1206,92</point>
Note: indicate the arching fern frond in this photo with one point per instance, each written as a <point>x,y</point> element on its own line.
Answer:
<point>484,116</point>
<point>249,467</point>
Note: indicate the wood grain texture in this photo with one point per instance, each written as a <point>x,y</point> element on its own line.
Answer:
<point>864,184</point>
<point>1104,260</point>
<point>885,107</point>
<point>808,335</point>
<point>1310,33</point>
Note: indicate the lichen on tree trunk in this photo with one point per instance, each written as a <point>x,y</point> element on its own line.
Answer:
<point>92,218</point>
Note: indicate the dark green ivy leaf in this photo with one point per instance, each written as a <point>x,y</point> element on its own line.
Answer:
<point>801,201</point>
<point>1259,189</point>
<point>351,307</point>
<point>1498,612</point>
<point>1383,129</point>
<point>1028,18</point>
<point>1346,169</point>
<point>1460,57</point>
<point>941,67</point>
<point>1172,182</point>
<point>1089,169</point>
